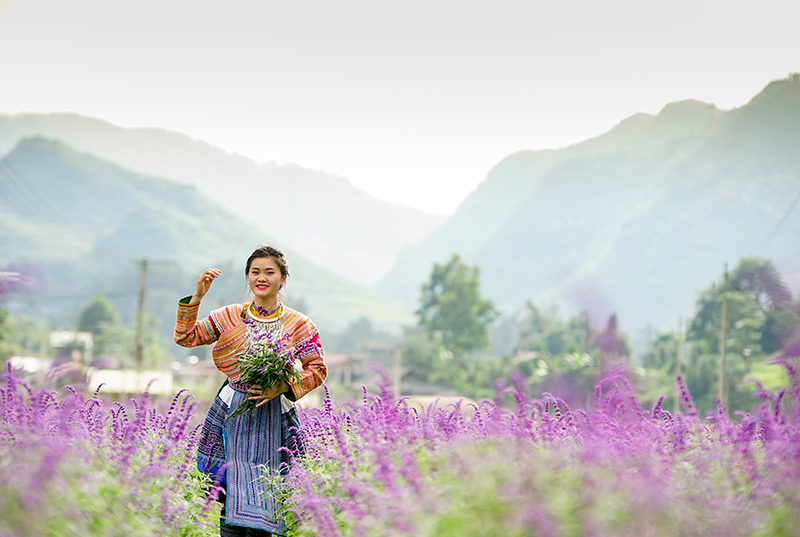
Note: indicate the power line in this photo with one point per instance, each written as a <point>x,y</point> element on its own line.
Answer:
<point>780,223</point>
<point>67,298</point>
<point>20,200</point>
<point>42,209</point>
<point>34,201</point>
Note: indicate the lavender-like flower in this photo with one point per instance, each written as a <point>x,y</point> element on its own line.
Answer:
<point>93,467</point>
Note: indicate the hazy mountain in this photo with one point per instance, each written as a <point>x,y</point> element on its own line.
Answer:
<point>79,223</point>
<point>637,220</point>
<point>319,215</point>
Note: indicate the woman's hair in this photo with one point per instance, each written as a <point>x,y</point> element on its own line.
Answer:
<point>269,251</point>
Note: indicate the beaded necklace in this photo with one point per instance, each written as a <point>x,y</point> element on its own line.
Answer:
<point>261,321</point>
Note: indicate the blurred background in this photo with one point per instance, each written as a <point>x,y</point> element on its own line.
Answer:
<point>466,193</point>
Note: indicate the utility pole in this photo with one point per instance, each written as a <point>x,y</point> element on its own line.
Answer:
<point>140,316</point>
<point>723,388</point>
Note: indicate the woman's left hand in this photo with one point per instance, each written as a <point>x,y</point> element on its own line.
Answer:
<point>266,394</point>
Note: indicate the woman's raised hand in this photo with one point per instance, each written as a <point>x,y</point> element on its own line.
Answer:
<point>204,282</point>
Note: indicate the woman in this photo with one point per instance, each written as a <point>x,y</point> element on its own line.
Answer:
<point>236,451</point>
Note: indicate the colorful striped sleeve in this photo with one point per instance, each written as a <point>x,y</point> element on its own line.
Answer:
<point>188,331</point>
<point>312,356</point>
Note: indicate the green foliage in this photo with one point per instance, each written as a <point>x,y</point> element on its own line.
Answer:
<point>454,324</point>
<point>116,340</point>
<point>425,353</point>
<point>156,353</point>
<point>761,320</point>
<point>95,314</point>
<point>4,353</point>
<point>548,335</point>
<point>566,357</point>
<point>772,377</point>
<point>119,340</point>
<point>470,376</point>
<point>663,352</point>
<point>451,304</point>
<point>474,377</point>
<point>23,336</point>
<point>347,341</point>
<point>745,322</point>
<point>781,328</point>
<point>760,279</point>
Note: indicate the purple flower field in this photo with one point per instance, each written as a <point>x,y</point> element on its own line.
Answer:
<point>77,465</point>
<point>71,465</point>
<point>381,468</point>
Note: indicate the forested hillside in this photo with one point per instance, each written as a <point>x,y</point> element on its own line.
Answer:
<point>635,220</point>
<point>317,214</point>
<point>79,226</point>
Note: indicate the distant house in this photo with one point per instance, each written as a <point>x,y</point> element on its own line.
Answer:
<point>342,368</point>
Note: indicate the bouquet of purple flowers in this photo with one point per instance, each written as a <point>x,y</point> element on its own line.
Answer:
<point>268,361</point>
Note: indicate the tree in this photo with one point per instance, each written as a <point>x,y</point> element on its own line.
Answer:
<point>548,335</point>
<point>745,322</point>
<point>782,332</point>
<point>761,320</point>
<point>347,341</point>
<point>663,352</point>
<point>761,315</point>
<point>425,354</point>
<point>452,305</point>
<point>23,336</point>
<point>97,312</point>
<point>760,278</point>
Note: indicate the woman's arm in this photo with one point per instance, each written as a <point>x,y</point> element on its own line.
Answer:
<point>312,356</point>
<point>188,332</point>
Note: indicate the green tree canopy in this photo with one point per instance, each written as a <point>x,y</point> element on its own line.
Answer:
<point>760,278</point>
<point>761,320</point>
<point>663,352</point>
<point>547,334</point>
<point>745,321</point>
<point>761,315</point>
<point>97,313</point>
<point>452,305</point>
<point>347,341</point>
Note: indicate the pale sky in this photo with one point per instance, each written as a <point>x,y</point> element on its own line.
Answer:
<point>413,101</point>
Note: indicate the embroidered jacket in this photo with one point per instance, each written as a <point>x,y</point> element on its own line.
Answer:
<point>225,328</point>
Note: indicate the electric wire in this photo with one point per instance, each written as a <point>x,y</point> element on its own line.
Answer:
<point>43,210</point>
<point>780,223</point>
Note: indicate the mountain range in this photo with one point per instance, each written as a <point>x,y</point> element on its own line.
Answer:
<point>320,215</point>
<point>636,221</point>
<point>80,224</point>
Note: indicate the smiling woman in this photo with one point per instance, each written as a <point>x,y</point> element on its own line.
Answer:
<point>235,449</point>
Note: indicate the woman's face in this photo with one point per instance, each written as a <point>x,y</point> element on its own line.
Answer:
<point>265,280</point>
